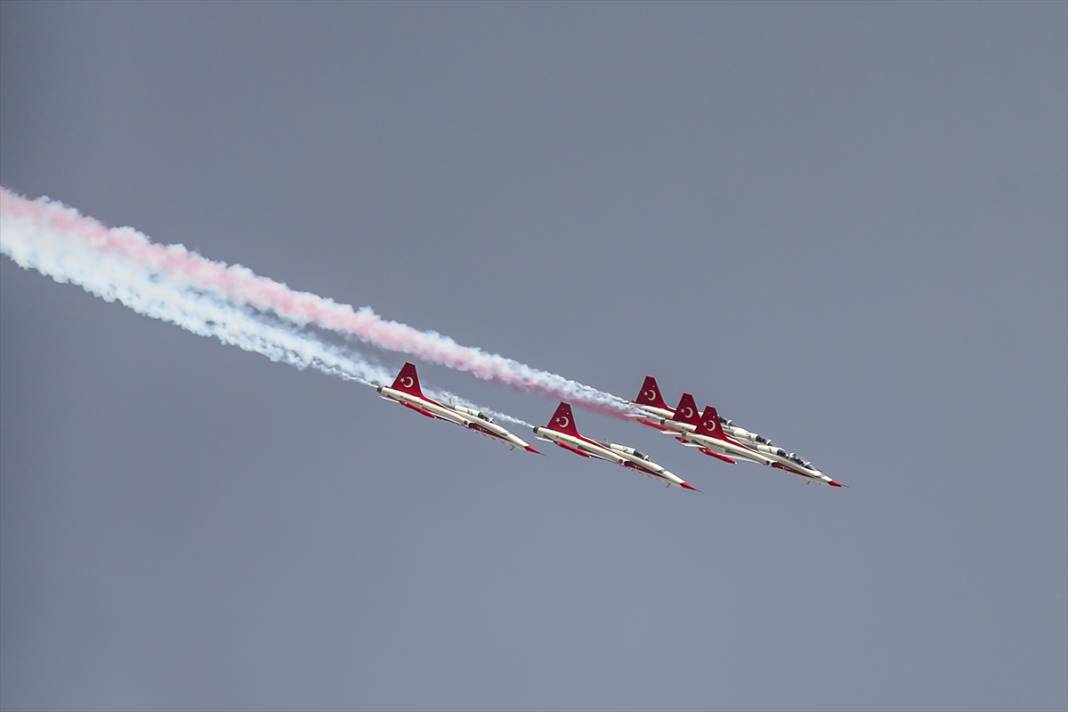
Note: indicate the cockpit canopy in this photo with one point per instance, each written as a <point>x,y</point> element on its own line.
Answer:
<point>640,454</point>
<point>484,417</point>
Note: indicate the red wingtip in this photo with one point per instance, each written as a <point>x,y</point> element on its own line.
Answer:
<point>531,448</point>
<point>832,483</point>
<point>687,485</point>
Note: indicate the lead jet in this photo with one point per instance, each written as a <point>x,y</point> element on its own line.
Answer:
<point>795,465</point>
<point>710,438</point>
<point>406,391</point>
<point>561,431</point>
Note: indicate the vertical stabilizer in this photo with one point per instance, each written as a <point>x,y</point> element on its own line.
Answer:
<point>563,420</point>
<point>650,394</point>
<point>709,424</point>
<point>687,411</point>
<point>407,381</point>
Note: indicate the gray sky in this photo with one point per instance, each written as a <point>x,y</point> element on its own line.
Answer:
<point>843,224</point>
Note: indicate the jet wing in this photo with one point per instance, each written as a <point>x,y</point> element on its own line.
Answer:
<point>572,449</point>
<point>419,410</point>
<point>718,456</point>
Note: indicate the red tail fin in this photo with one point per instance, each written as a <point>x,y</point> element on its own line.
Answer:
<point>407,381</point>
<point>710,424</point>
<point>687,411</point>
<point>650,394</point>
<point>563,421</point>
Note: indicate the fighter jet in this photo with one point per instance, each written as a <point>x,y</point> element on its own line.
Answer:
<point>561,431</point>
<point>795,465</point>
<point>710,438</point>
<point>406,391</point>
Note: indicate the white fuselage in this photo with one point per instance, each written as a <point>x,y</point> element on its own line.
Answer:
<point>726,448</point>
<point>741,433</point>
<point>454,414</point>
<point>639,461</point>
<point>584,446</point>
<point>675,427</point>
<point>654,411</point>
<point>619,454</point>
<point>785,463</point>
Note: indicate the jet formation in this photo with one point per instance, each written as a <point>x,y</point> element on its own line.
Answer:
<point>704,430</point>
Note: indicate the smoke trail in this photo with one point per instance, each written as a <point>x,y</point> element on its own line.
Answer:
<point>154,295</point>
<point>241,286</point>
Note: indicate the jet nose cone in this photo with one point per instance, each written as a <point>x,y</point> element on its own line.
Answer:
<point>832,483</point>
<point>531,448</point>
<point>687,485</point>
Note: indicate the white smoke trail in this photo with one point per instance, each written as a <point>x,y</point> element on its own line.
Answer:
<point>113,278</point>
<point>242,286</point>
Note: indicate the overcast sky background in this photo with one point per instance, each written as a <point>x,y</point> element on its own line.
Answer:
<point>843,224</point>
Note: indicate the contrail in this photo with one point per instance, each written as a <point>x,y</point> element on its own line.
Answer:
<point>241,286</point>
<point>32,245</point>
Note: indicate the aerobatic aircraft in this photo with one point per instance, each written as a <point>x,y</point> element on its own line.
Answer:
<point>561,431</point>
<point>406,391</point>
<point>795,465</point>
